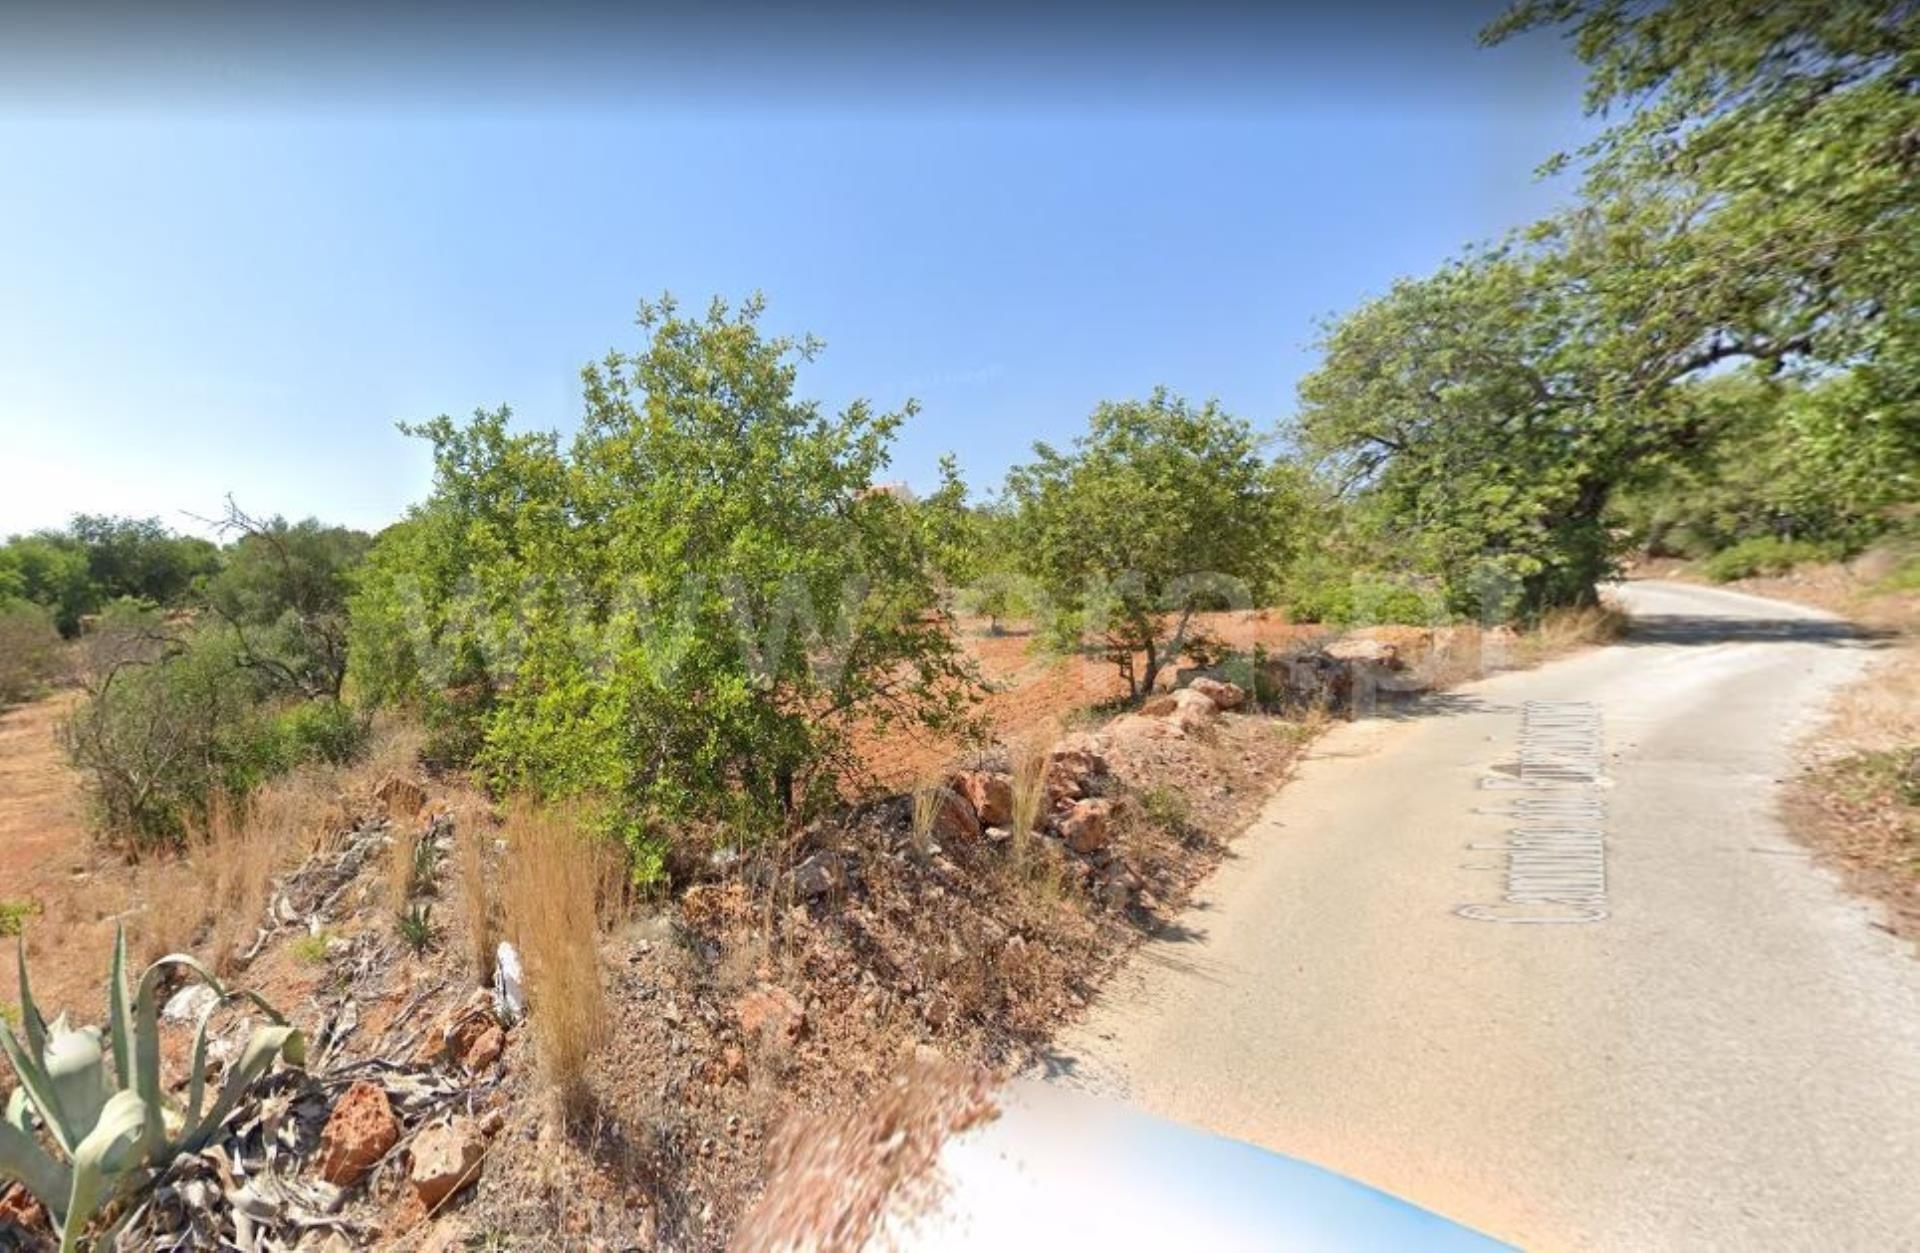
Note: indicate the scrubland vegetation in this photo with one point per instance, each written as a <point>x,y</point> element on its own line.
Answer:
<point>661,646</point>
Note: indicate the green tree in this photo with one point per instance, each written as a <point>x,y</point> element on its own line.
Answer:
<point>140,558</point>
<point>1162,509</point>
<point>1757,203</point>
<point>1761,180</point>
<point>1784,131</point>
<point>1824,463</point>
<point>282,589</point>
<point>50,569</point>
<point>1471,405</point>
<point>688,612</point>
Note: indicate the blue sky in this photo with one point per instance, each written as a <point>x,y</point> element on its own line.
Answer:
<point>241,281</point>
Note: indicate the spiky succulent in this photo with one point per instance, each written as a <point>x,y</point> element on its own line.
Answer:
<point>98,1099</point>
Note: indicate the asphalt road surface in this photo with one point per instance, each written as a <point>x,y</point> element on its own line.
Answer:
<point>1729,1059</point>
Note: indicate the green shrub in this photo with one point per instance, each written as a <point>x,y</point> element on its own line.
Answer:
<point>14,914</point>
<point>326,731</point>
<point>30,652</point>
<point>1166,808</point>
<point>1904,577</point>
<point>414,925</point>
<point>1765,556</point>
<point>681,616</point>
<point>1362,598</point>
<point>174,719</point>
<point>106,1126</point>
<point>311,949</point>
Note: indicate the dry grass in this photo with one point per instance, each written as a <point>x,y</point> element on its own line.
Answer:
<point>471,835</point>
<point>240,848</point>
<point>213,898</point>
<point>1561,629</point>
<point>401,854</point>
<point>1883,712</point>
<point>171,909</point>
<point>926,808</point>
<point>552,864</point>
<point>1860,803</point>
<point>613,890</point>
<point>1029,759</point>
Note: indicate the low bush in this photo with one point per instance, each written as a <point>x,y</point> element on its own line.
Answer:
<point>14,915</point>
<point>310,949</point>
<point>325,731</point>
<point>30,652</point>
<point>175,719</point>
<point>1765,556</point>
<point>1341,597</point>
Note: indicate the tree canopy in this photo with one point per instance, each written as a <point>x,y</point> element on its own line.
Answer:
<point>1755,204</point>
<point>688,612</point>
<point>1161,509</point>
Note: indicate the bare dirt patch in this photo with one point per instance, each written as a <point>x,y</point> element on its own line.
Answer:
<point>42,812</point>
<point>1858,802</point>
<point>1030,688</point>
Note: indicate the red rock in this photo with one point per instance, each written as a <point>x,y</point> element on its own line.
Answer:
<point>1139,727</point>
<point>1192,710</point>
<point>1372,652</point>
<point>446,1157</point>
<point>991,795</point>
<point>403,798</point>
<point>1088,825</point>
<point>1083,756</point>
<point>955,819</point>
<point>359,1132</point>
<point>771,1013</point>
<point>19,1207</point>
<point>485,1049</point>
<point>1224,695</point>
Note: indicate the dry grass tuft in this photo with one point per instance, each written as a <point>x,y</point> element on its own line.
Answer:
<point>926,808</point>
<point>1029,760</point>
<point>239,850</point>
<point>1560,629</point>
<point>214,897</point>
<point>552,864</point>
<point>402,855</point>
<point>471,835</point>
<point>613,890</point>
<point>172,910</point>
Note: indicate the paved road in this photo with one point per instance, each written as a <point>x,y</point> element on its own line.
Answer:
<point>1731,1059</point>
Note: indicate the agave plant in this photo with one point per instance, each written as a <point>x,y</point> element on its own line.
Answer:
<point>99,1100</point>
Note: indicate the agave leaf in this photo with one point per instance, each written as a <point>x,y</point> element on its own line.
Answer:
<point>119,1019</point>
<point>38,1086</point>
<point>146,1042</point>
<point>77,1070</point>
<point>107,1154</point>
<point>22,1158</point>
<point>30,1019</point>
<point>263,1046</point>
<point>196,1089</point>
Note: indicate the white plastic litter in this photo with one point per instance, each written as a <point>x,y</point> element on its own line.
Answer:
<point>509,987</point>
